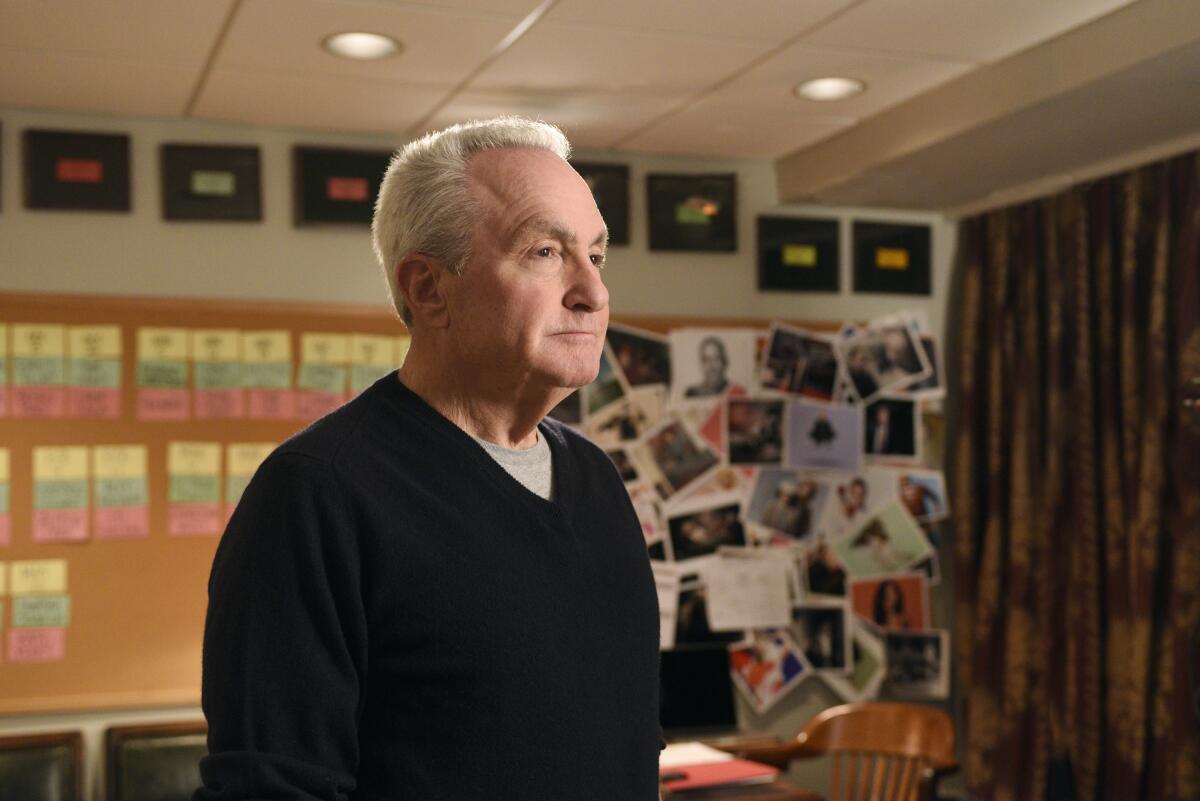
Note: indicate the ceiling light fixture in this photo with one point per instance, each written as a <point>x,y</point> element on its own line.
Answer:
<point>829,88</point>
<point>360,45</point>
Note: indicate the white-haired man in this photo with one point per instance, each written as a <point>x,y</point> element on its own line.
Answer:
<point>435,593</point>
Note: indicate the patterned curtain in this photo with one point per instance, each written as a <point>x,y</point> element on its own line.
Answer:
<point>1075,469</point>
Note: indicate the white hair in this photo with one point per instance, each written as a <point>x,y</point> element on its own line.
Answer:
<point>425,203</point>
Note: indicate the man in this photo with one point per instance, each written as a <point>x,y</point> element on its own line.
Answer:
<point>434,593</point>
<point>713,366</point>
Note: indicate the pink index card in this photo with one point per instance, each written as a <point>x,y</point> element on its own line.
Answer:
<point>39,402</point>
<point>104,402</point>
<point>60,525</point>
<point>121,522</point>
<point>270,404</point>
<point>162,404</point>
<point>36,645</point>
<point>5,529</point>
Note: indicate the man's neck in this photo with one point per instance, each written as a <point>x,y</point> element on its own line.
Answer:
<point>506,416</point>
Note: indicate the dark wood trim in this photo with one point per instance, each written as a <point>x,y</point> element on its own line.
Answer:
<point>73,740</point>
<point>116,736</point>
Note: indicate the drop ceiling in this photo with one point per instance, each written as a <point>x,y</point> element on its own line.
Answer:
<point>680,77</point>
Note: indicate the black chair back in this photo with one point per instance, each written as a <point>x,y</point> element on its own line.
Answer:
<point>158,762</point>
<point>42,767</point>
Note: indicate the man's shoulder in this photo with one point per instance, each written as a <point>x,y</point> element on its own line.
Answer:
<point>326,439</point>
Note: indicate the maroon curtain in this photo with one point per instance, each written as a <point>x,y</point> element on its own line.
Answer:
<point>1075,477</point>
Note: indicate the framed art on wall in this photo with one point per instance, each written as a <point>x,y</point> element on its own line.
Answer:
<point>610,186</point>
<point>892,258</point>
<point>692,212</point>
<point>337,186</point>
<point>76,170</point>
<point>211,182</point>
<point>799,254</point>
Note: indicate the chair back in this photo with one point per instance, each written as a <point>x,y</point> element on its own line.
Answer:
<point>154,762</point>
<point>42,767</point>
<point>881,751</point>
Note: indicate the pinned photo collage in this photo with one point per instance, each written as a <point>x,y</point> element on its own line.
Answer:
<point>782,482</point>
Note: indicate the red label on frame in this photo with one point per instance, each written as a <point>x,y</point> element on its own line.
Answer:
<point>79,171</point>
<point>352,189</point>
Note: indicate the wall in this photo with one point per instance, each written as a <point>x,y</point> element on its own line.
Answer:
<point>139,253</point>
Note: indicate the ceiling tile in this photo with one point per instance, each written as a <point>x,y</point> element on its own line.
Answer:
<point>314,102</point>
<point>763,20</point>
<point>440,47</point>
<point>111,86</point>
<point>958,29</point>
<point>154,31</point>
<point>576,57</point>
<point>517,8</point>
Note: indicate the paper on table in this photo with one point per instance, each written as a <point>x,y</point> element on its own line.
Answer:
<point>691,753</point>
<point>666,581</point>
<point>748,590</point>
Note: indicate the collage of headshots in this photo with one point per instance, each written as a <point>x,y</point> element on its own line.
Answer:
<point>782,479</point>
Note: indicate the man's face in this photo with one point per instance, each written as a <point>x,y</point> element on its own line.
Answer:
<point>530,310</point>
<point>712,363</point>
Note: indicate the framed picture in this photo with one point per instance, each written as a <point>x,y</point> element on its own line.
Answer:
<point>692,212</point>
<point>610,186</point>
<point>892,258</point>
<point>74,170</point>
<point>798,254</point>
<point>336,186</point>
<point>211,182</point>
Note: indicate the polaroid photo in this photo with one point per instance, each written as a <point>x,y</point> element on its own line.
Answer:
<point>650,400</point>
<point>886,355</point>
<point>766,667</point>
<point>569,410</point>
<point>799,362</point>
<point>821,573</point>
<point>672,457</point>
<point>722,480</point>
<point>932,386</point>
<point>747,589</point>
<point>870,668</point>
<point>918,664</point>
<point>823,634</point>
<point>896,603</point>
<point>625,467</point>
<point>667,580</point>
<point>709,363</point>
<point>618,423</point>
<point>647,507</point>
<point>823,436</point>
<point>890,541</point>
<point>605,390</point>
<point>787,502</point>
<point>691,620</point>
<point>700,527</point>
<point>923,493</point>
<point>643,358</point>
<point>708,420</point>
<point>754,430</point>
<point>891,429</point>
<point>931,568</point>
<point>853,496</point>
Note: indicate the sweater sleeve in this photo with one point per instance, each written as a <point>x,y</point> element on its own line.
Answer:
<point>284,641</point>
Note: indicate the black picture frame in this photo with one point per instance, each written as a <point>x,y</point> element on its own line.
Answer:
<point>892,258</point>
<point>211,182</point>
<point>695,213</point>
<point>610,187</point>
<point>798,254</point>
<point>336,186</point>
<point>76,170</point>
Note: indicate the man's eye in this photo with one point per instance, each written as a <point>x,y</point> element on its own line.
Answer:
<point>597,259</point>
<point>545,252</point>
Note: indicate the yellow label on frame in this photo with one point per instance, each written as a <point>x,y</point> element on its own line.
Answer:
<point>244,458</point>
<point>32,340</point>
<point>324,348</point>
<point>60,463</point>
<point>266,347</point>
<point>216,345</point>
<point>5,468</point>
<point>800,255</point>
<point>94,342</point>
<point>194,458</point>
<point>119,461</point>
<point>891,258</point>
<point>162,344</point>
<point>38,576</point>
<point>373,351</point>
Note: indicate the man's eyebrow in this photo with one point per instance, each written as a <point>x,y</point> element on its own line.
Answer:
<point>541,226</point>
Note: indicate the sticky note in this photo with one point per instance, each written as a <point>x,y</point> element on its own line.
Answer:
<point>36,645</point>
<point>34,341</point>
<point>800,255</point>
<point>5,466</point>
<point>194,458</point>
<point>213,183</point>
<point>38,363</point>
<point>60,494</point>
<point>162,344</point>
<point>891,258</point>
<point>402,345</point>
<point>264,347</point>
<point>94,342</point>
<point>78,171</point>
<point>216,345</point>
<point>324,348</point>
<point>3,579</point>
<point>371,357</point>
<point>38,576</point>
<point>347,188</point>
<point>245,457</point>
<point>41,610</point>
<point>94,371</point>
<point>60,462</point>
<point>5,500</point>
<point>119,461</point>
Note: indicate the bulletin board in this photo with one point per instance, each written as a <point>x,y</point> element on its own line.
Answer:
<point>136,611</point>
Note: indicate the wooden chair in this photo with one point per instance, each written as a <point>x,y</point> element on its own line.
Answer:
<point>42,767</point>
<point>881,751</point>
<point>154,762</point>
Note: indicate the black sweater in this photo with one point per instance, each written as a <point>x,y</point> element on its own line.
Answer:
<point>393,616</point>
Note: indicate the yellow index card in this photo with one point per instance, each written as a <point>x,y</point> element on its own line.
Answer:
<point>5,474</point>
<point>162,344</point>
<point>324,348</point>
<point>244,458</point>
<point>94,342</point>
<point>891,258</point>
<point>373,351</point>
<point>800,255</point>
<point>194,458</point>
<point>119,461</point>
<point>38,576</point>
<point>54,463</point>
<point>3,580</point>
<point>216,345</point>
<point>32,340</point>
<point>264,347</point>
<point>3,343</point>
<point>402,345</point>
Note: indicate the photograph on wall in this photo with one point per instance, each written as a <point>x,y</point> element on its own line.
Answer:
<point>336,186</point>
<point>870,668</point>
<point>854,496</point>
<point>754,431</point>
<point>642,357</point>
<point>74,170</point>
<point>606,389</point>
<point>691,621</point>
<point>709,363</point>
<point>918,664</point>
<point>923,493</point>
<point>621,421</point>
<point>885,356</point>
<point>671,457</point>
<point>932,386</point>
<point>799,362</point>
<point>898,603</point>
<point>787,503</point>
<point>705,524</point>
<point>210,182</point>
<point>766,667</point>
<point>821,572</point>
<point>891,429</point>
<point>692,212</point>
<point>892,258</point>
<point>798,254</point>
<point>569,410</point>
<point>823,436</point>
<point>888,542</point>
<point>823,634</point>
<point>610,188</point>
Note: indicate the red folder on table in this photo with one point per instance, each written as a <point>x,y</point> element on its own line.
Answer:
<point>714,774</point>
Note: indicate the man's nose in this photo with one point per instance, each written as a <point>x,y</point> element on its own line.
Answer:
<point>586,291</point>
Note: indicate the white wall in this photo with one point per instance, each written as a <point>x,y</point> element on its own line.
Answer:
<point>140,254</point>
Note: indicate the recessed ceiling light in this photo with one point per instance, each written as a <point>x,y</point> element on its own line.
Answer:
<point>360,45</point>
<point>829,88</point>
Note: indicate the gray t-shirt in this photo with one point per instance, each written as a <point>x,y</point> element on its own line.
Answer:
<point>530,466</point>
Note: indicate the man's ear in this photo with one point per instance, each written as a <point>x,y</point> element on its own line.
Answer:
<point>420,279</point>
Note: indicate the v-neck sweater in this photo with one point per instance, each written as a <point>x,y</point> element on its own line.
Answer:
<point>394,616</point>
